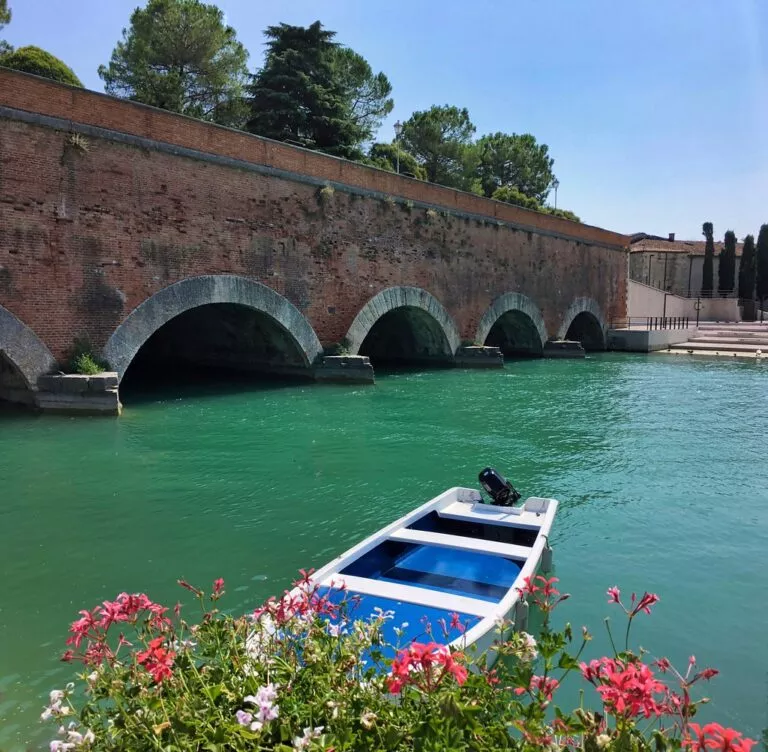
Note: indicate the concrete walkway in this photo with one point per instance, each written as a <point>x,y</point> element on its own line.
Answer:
<point>746,339</point>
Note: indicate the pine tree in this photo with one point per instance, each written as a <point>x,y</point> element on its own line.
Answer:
<point>297,97</point>
<point>747,270</point>
<point>707,277</point>
<point>726,272</point>
<point>762,265</point>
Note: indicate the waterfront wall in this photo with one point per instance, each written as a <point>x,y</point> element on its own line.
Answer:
<point>647,301</point>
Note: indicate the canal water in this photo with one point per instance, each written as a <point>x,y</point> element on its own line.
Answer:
<point>659,464</point>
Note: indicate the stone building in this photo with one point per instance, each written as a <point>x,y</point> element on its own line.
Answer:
<point>675,266</point>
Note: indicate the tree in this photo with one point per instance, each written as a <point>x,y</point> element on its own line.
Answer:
<point>510,195</point>
<point>179,55</point>
<point>40,63</point>
<point>440,139</point>
<point>367,94</point>
<point>726,272</point>
<point>385,156</point>
<point>517,161</point>
<point>5,19</point>
<point>707,279</point>
<point>747,270</point>
<point>297,95</point>
<point>762,265</point>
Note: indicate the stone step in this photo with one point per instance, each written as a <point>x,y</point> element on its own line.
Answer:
<point>757,340</point>
<point>759,328</point>
<point>717,347</point>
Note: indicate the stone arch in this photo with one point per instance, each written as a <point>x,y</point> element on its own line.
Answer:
<point>585,321</point>
<point>195,292</point>
<point>519,316</point>
<point>423,309</point>
<point>23,359</point>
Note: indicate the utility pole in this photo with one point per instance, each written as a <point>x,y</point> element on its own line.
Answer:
<point>398,131</point>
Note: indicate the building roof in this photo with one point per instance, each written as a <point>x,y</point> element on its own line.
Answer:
<point>648,244</point>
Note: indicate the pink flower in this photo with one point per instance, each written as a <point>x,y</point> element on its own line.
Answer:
<point>644,604</point>
<point>218,586</point>
<point>627,689</point>
<point>614,595</point>
<point>416,664</point>
<point>157,660</point>
<point>713,736</point>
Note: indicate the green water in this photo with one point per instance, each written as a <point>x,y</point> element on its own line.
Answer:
<point>659,464</point>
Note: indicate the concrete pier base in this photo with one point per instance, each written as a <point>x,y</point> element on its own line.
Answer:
<point>563,348</point>
<point>347,369</point>
<point>477,356</point>
<point>76,394</point>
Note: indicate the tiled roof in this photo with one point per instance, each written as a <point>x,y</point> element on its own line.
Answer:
<point>693,247</point>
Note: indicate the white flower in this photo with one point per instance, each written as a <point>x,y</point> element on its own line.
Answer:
<point>529,652</point>
<point>57,695</point>
<point>59,746</point>
<point>381,614</point>
<point>179,645</point>
<point>367,719</point>
<point>302,742</point>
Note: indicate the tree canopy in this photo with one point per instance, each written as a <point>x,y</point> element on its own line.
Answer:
<point>297,96</point>
<point>180,56</point>
<point>441,140</point>
<point>516,161</point>
<point>386,157</point>
<point>762,263</point>
<point>511,195</point>
<point>707,278</point>
<point>726,270</point>
<point>367,94</point>
<point>40,63</point>
<point>5,19</point>
<point>747,270</point>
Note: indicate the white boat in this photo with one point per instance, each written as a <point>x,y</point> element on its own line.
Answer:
<point>455,554</point>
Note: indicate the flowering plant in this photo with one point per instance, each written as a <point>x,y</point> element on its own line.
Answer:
<point>307,673</point>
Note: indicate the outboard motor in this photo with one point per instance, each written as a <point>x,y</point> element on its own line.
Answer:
<point>501,491</point>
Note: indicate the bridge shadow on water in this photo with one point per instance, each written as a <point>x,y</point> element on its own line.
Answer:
<point>199,382</point>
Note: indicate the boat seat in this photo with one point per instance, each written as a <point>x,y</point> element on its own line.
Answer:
<point>459,542</point>
<point>409,594</point>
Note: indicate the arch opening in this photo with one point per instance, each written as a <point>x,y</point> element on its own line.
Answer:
<point>586,328</point>
<point>220,345</point>
<point>516,335</point>
<point>14,389</point>
<point>407,336</point>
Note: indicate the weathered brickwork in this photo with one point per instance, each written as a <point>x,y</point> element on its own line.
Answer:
<point>92,224</point>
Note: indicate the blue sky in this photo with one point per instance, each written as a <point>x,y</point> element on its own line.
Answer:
<point>656,113</point>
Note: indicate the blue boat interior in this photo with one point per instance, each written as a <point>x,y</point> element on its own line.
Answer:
<point>446,570</point>
<point>416,623</point>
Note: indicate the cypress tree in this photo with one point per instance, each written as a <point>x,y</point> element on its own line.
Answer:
<point>297,95</point>
<point>707,275</point>
<point>747,270</point>
<point>762,264</point>
<point>726,273</point>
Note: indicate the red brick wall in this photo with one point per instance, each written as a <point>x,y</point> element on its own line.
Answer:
<point>86,236</point>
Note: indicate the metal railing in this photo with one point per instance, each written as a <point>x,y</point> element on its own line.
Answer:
<point>652,322</point>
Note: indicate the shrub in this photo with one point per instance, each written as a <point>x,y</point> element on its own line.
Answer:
<point>40,63</point>
<point>307,673</point>
<point>81,359</point>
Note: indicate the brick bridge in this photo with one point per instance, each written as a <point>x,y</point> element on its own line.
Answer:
<point>162,240</point>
